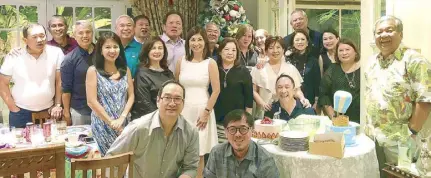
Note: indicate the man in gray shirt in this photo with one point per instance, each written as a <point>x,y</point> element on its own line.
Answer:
<point>163,142</point>
<point>240,157</point>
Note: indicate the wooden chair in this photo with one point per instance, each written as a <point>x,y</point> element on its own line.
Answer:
<point>40,117</point>
<point>19,161</point>
<point>120,162</point>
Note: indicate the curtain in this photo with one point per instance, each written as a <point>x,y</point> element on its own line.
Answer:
<point>155,10</point>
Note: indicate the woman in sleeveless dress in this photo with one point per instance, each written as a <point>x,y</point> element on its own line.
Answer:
<point>196,71</point>
<point>109,88</point>
<point>330,41</point>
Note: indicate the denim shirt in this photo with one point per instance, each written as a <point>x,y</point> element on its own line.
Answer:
<point>73,73</point>
<point>257,163</point>
<point>132,51</point>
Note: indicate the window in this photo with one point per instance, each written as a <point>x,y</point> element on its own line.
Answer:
<point>346,22</point>
<point>12,19</point>
<point>100,17</point>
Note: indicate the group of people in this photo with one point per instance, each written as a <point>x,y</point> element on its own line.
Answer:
<point>172,100</point>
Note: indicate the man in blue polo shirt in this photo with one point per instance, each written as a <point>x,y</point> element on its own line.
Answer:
<point>73,73</point>
<point>124,28</point>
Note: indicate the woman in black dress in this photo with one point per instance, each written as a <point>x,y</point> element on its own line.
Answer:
<point>236,88</point>
<point>235,81</point>
<point>152,73</point>
<point>330,40</point>
<point>306,64</point>
<point>344,75</point>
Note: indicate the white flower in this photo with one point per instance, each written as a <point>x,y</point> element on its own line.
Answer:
<point>234,13</point>
<point>226,8</point>
<point>241,10</point>
<point>244,17</point>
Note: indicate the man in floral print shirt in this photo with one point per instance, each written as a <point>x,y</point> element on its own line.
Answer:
<point>398,90</point>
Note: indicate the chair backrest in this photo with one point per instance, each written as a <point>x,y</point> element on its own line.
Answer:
<point>116,164</point>
<point>18,161</point>
<point>40,117</point>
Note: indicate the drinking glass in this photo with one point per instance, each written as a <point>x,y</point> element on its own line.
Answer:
<point>37,137</point>
<point>404,155</point>
<point>18,134</point>
<point>61,127</point>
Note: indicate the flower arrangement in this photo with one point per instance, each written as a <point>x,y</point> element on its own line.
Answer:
<point>227,14</point>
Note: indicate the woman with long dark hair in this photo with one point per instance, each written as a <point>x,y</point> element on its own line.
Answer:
<point>152,73</point>
<point>109,89</point>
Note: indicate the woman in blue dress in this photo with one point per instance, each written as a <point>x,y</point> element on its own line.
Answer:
<point>109,88</point>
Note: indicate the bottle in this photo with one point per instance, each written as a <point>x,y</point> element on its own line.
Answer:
<point>423,164</point>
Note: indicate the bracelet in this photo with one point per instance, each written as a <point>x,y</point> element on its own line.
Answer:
<point>124,115</point>
<point>206,109</point>
<point>413,131</point>
<point>58,105</point>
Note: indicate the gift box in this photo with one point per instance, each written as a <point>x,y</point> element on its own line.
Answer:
<point>327,144</point>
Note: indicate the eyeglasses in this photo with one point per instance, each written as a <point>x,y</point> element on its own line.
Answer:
<point>242,130</point>
<point>168,99</point>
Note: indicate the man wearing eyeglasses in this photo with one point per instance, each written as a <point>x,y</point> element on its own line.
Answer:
<point>240,157</point>
<point>163,142</point>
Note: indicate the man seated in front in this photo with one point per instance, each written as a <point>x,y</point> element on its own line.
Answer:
<point>163,142</point>
<point>240,157</point>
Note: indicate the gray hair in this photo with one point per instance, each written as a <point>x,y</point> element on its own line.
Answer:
<point>57,17</point>
<point>398,22</point>
<point>299,11</point>
<point>211,23</point>
<point>84,23</point>
<point>123,16</point>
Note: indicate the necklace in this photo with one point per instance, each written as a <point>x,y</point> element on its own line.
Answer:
<point>226,71</point>
<point>351,82</point>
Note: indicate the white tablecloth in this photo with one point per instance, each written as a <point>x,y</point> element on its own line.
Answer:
<point>358,162</point>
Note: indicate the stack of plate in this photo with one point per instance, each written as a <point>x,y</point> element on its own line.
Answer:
<point>294,141</point>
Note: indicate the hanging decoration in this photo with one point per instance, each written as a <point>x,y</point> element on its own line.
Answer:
<point>227,14</point>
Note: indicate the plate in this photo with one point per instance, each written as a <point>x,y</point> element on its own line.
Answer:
<point>74,144</point>
<point>294,134</point>
<point>76,129</point>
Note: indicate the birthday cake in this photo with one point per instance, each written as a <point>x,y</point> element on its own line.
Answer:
<point>340,122</point>
<point>267,128</point>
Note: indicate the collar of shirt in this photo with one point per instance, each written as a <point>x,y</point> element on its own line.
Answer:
<point>155,122</point>
<point>137,40</point>
<point>166,39</point>
<point>397,55</point>
<point>133,44</point>
<point>41,56</point>
<point>250,152</point>
<point>297,107</point>
<point>85,52</point>
<point>70,41</point>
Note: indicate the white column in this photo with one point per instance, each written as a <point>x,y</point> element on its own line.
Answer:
<point>292,7</point>
<point>283,17</point>
<point>368,15</point>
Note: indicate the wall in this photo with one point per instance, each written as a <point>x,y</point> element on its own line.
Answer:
<point>417,27</point>
<point>251,10</point>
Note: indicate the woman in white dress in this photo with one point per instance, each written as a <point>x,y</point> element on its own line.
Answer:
<point>196,71</point>
<point>264,78</point>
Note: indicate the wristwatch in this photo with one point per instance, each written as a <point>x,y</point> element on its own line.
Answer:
<point>58,105</point>
<point>414,132</point>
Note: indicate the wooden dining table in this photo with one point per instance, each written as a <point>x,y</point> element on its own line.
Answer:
<point>80,151</point>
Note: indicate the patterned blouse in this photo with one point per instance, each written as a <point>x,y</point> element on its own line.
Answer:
<point>392,87</point>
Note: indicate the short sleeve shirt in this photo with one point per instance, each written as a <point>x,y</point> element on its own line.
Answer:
<point>393,86</point>
<point>34,79</point>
